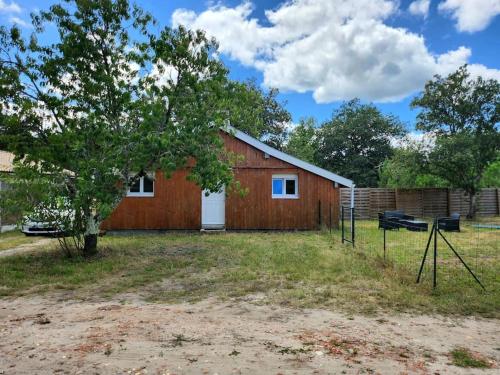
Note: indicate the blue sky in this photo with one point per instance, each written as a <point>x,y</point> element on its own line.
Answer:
<point>320,52</point>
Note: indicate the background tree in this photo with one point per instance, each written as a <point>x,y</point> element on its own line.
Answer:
<point>107,102</point>
<point>409,167</point>
<point>491,176</point>
<point>302,140</point>
<point>356,141</point>
<point>258,113</point>
<point>464,114</point>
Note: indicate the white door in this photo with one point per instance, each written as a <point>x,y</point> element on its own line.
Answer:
<point>213,210</point>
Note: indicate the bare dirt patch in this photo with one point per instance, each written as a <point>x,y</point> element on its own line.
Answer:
<point>40,243</point>
<point>127,335</point>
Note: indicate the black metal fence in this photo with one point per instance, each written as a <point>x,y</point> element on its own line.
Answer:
<point>347,224</point>
<point>420,249</point>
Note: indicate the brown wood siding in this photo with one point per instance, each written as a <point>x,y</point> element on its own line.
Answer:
<point>176,205</point>
<point>177,202</point>
<point>258,210</point>
<point>252,157</point>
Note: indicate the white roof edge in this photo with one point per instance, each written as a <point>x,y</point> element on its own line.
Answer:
<point>289,159</point>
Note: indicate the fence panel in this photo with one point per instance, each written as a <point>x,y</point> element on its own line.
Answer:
<point>459,202</point>
<point>435,202</point>
<point>425,202</point>
<point>411,201</point>
<point>488,202</point>
<point>369,201</point>
<point>362,199</point>
<point>402,245</point>
<point>380,199</point>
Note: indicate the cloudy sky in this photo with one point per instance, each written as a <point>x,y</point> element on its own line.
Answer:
<point>321,52</point>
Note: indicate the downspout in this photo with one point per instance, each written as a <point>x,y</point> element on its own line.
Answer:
<point>352,195</point>
<point>352,214</point>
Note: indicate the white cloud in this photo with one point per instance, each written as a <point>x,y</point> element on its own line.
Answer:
<point>11,7</point>
<point>20,22</point>
<point>450,61</point>
<point>420,8</point>
<point>336,49</point>
<point>480,70</point>
<point>229,25</point>
<point>471,15</point>
<point>164,75</point>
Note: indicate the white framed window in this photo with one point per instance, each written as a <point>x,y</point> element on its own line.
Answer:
<point>285,186</point>
<point>142,187</point>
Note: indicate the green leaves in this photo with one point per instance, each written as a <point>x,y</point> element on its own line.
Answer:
<point>258,113</point>
<point>356,141</point>
<point>465,114</point>
<point>409,167</point>
<point>302,140</point>
<point>458,103</point>
<point>107,100</point>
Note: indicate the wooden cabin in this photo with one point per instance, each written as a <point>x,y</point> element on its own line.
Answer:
<point>284,193</point>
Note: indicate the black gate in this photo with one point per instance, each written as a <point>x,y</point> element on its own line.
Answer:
<point>347,220</point>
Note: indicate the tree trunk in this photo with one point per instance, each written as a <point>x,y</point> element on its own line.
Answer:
<point>472,206</point>
<point>90,236</point>
<point>90,244</point>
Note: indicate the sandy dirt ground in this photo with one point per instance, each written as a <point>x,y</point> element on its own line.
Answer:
<point>51,335</point>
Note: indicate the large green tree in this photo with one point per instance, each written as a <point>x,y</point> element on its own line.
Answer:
<point>464,113</point>
<point>302,140</point>
<point>105,103</point>
<point>258,112</point>
<point>356,141</point>
<point>491,176</point>
<point>409,168</point>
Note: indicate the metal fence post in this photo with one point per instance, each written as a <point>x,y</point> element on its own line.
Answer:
<point>330,218</point>
<point>352,226</point>
<point>319,214</point>
<point>434,273</point>
<point>342,221</point>
<point>384,244</point>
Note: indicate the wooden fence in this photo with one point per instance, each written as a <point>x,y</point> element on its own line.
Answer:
<point>426,202</point>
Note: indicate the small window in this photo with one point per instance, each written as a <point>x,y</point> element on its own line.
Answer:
<point>147,184</point>
<point>143,187</point>
<point>136,187</point>
<point>290,187</point>
<point>285,186</point>
<point>277,186</point>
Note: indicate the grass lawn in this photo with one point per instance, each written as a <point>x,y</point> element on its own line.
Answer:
<point>478,247</point>
<point>14,238</point>
<point>303,269</point>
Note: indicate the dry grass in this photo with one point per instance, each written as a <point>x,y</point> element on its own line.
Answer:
<point>12,239</point>
<point>303,269</point>
<point>478,247</point>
